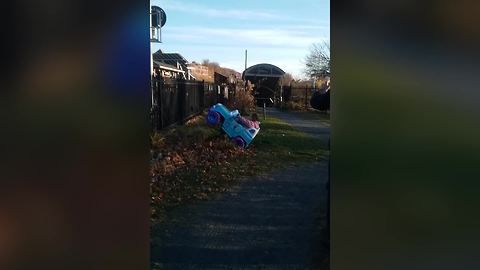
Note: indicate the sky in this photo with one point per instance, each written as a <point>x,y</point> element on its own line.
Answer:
<point>275,32</point>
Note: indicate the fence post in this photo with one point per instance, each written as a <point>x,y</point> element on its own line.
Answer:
<point>152,105</point>
<point>155,108</point>
<point>281,96</point>
<point>264,111</point>
<point>160,94</point>
<point>202,94</point>
<point>181,100</point>
<point>306,96</point>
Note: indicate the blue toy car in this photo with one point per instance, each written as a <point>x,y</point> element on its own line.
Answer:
<point>240,135</point>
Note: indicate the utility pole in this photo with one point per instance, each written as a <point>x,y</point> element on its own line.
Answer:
<point>245,59</point>
<point>245,78</point>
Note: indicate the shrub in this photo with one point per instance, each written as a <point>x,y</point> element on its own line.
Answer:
<point>157,140</point>
<point>244,100</point>
<point>294,106</point>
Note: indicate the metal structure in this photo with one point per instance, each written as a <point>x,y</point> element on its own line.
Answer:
<point>265,78</point>
<point>158,18</point>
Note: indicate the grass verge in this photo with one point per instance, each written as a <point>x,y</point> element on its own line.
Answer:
<point>278,144</point>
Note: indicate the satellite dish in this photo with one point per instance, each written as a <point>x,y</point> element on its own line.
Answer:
<point>159,18</point>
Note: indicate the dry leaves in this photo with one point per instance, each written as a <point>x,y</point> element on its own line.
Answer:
<point>193,171</point>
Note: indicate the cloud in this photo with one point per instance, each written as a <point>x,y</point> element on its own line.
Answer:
<point>219,13</point>
<point>270,36</point>
<point>239,14</point>
<point>292,38</point>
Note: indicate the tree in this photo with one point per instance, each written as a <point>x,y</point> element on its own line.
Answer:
<point>317,62</point>
<point>286,79</point>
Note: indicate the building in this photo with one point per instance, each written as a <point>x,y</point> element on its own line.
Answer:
<point>172,65</point>
<point>167,71</point>
<point>266,80</point>
<point>198,69</point>
<point>201,72</point>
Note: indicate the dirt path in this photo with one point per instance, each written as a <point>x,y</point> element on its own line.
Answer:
<point>272,221</point>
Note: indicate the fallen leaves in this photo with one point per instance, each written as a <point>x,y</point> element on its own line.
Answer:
<point>186,171</point>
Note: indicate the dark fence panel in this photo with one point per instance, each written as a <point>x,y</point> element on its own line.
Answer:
<point>192,98</point>
<point>299,95</point>
<point>174,100</point>
<point>170,102</point>
<point>210,95</point>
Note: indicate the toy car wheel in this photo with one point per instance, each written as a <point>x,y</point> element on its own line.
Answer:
<point>238,141</point>
<point>213,118</point>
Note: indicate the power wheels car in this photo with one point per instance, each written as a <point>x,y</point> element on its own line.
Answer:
<point>240,135</point>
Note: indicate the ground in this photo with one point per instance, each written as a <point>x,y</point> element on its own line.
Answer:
<point>272,221</point>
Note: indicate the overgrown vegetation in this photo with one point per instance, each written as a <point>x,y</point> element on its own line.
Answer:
<point>189,162</point>
<point>244,100</point>
<point>194,161</point>
<point>293,105</point>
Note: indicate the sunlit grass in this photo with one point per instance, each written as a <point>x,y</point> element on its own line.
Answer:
<point>279,144</point>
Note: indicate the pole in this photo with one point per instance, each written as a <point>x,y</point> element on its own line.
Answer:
<point>245,59</point>
<point>306,95</point>
<point>264,111</point>
<point>150,43</point>
<point>281,96</point>
<point>245,78</point>
<point>150,32</point>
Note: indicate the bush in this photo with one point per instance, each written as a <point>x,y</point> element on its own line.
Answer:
<point>244,100</point>
<point>193,131</point>
<point>294,106</point>
<point>157,140</point>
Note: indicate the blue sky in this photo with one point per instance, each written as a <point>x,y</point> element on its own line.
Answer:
<point>275,32</point>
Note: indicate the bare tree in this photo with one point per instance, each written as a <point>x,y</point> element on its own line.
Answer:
<point>317,62</point>
<point>286,79</point>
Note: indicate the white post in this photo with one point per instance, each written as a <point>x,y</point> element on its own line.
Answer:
<point>150,43</point>
<point>150,31</point>
<point>264,111</point>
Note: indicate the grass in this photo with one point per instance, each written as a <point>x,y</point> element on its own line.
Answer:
<point>279,144</point>
<point>216,164</point>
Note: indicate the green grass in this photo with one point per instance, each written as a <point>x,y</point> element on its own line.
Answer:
<point>279,144</point>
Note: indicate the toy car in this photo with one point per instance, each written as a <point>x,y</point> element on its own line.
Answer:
<point>240,135</point>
